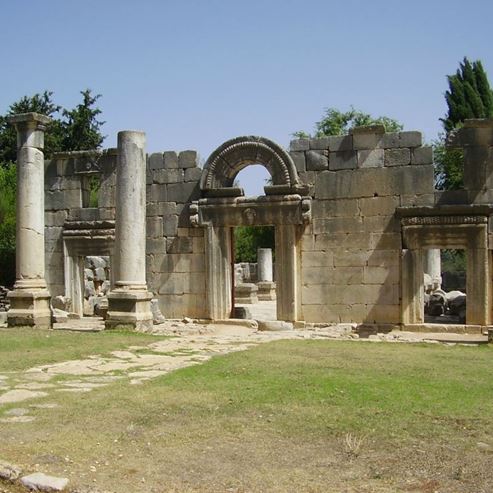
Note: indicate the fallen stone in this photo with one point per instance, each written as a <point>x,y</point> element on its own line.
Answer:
<point>42,482</point>
<point>17,411</point>
<point>9,472</point>
<point>19,395</point>
<point>274,325</point>
<point>157,316</point>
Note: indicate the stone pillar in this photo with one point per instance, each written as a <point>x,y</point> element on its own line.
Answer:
<point>30,299</point>
<point>412,288</point>
<point>266,288</point>
<point>264,264</point>
<point>129,302</point>
<point>433,266</point>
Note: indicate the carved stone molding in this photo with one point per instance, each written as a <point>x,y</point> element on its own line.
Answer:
<point>235,154</point>
<point>445,220</point>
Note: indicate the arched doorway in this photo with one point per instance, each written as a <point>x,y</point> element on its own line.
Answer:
<point>223,206</point>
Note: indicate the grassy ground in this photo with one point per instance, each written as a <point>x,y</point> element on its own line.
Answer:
<point>23,348</point>
<point>284,416</point>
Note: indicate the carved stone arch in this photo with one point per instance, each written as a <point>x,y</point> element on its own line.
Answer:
<point>231,157</point>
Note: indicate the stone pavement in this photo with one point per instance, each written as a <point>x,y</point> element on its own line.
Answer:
<point>192,344</point>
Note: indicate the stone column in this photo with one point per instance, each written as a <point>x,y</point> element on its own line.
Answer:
<point>266,288</point>
<point>30,299</point>
<point>433,266</point>
<point>129,302</point>
<point>264,264</point>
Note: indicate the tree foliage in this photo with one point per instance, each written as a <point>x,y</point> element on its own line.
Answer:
<point>336,122</point>
<point>75,129</point>
<point>248,239</point>
<point>469,96</point>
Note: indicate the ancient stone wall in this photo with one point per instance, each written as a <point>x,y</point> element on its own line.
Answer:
<point>175,251</point>
<point>67,205</point>
<point>350,254</point>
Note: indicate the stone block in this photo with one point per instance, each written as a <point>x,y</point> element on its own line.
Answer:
<point>161,208</point>
<point>384,258</point>
<point>370,158</point>
<point>324,313</point>
<point>335,208</point>
<point>183,192</point>
<point>155,245</point>
<point>187,159</point>
<point>386,241</point>
<point>157,193</point>
<point>402,139</point>
<point>378,206</point>
<point>56,218</point>
<point>179,245</point>
<point>422,155</point>
<point>156,161</point>
<point>319,144</point>
<point>380,275</point>
<point>338,143</point>
<point>198,244</point>
<point>357,240</point>
<point>299,145</point>
<point>351,258</point>
<point>299,161</point>
<point>169,176</point>
<point>154,227</point>
<point>170,225</point>
<point>338,276</point>
<point>193,174</point>
<point>367,137</point>
<point>381,224</point>
<point>338,225</point>
<point>341,160</point>
<point>397,157</point>
<point>170,159</point>
<point>316,160</point>
<point>316,259</point>
<point>246,293</point>
<point>184,262</point>
<point>418,200</point>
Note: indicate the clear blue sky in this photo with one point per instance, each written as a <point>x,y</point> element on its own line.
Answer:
<point>194,73</point>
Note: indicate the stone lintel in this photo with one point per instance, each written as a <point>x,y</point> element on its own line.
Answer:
<point>294,210</point>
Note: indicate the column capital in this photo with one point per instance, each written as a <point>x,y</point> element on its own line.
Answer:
<point>29,119</point>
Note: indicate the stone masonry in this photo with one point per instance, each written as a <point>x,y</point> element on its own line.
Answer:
<point>353,217</point>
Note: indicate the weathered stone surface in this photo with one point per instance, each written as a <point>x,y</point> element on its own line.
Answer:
<point>156,161</point>
<point>170,159</point>
<point>9,472</point>
<point>370,158</point>
<point>39,481</point>
<point>316,160</point>
<point>397,157</point>
<point>274,325</point>
<point>300,145</point>
<point>187,159</point>
<point>422,155</point>
<point>19,395</point>
<point>299,161</point>
<point>343,160</point>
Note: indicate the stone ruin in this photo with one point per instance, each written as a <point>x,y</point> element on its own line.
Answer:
<point>354,217</point>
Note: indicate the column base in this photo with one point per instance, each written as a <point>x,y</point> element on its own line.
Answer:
<point>129,309</point>
<point>29,308</point>
<point>266,290</point>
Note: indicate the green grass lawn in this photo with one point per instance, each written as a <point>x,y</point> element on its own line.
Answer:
<point>283,416</point>
<point>23,348</point>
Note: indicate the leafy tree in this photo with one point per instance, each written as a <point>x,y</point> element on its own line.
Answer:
<point>249,238</point>
<point>82,130</point>
<point>7,223</point>
<point>469,96</point>
<point>335,122</point>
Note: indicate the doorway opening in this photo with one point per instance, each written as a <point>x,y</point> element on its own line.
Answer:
<point>254,282</point>
<point>96,285</point>
<point>445,284</point>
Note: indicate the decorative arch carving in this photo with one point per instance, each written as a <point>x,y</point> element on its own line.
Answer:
<point>231,157</point>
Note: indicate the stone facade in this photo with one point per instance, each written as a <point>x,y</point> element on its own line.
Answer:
<point>353,217</point>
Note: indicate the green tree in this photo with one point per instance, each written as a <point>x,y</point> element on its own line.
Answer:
<point>248,238</point>
<point>81,128</point>
<point>336,122</point>
<point>469,95</point>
